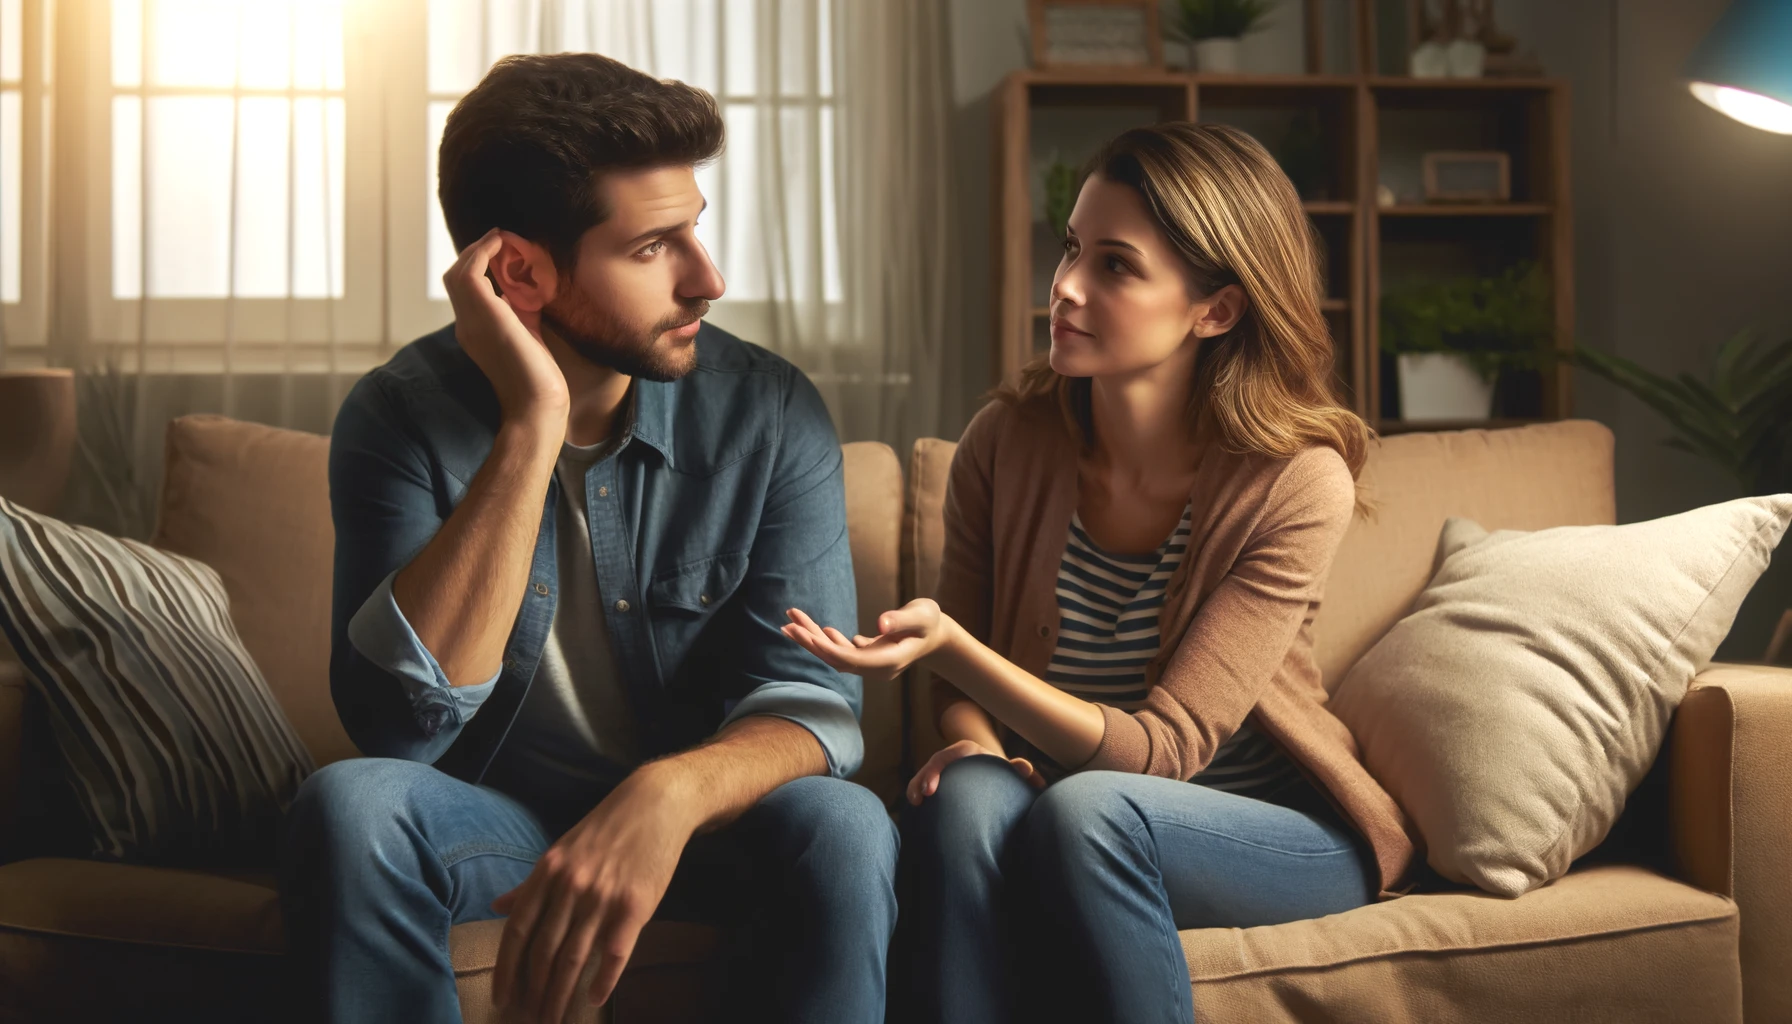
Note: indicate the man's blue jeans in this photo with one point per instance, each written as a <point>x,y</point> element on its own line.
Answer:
<point>382,857</point>
<point>1078,891</point>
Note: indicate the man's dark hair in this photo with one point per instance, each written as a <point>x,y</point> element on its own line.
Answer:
<point>524,151</point>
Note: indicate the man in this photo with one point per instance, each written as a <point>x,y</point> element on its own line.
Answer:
<point>568,528</point>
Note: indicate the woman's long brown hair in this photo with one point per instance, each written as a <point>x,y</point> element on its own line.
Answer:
<point>1267,386</point>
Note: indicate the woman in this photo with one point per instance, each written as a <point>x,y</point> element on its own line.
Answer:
<point>1137,536</point>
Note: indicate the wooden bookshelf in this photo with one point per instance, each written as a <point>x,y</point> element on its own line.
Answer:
<point>1367,127</point>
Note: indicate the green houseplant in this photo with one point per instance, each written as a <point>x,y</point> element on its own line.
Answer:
<point>1739,417</point>
<point>1059,195</point>
<point>1212,28</point>
<point>1453,338</point>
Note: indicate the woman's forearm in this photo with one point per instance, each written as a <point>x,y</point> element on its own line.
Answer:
<point>965,720</point>
<point>1066,728</point>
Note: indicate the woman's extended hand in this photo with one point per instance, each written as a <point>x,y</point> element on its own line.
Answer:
<point>905,636</point>
<point>927,780</point>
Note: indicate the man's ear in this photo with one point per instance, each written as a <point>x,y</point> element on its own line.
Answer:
<point>1220,312</point>
<point>524,273</point>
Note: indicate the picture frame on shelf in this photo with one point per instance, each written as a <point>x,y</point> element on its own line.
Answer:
<point>1467,176</point>
<point>1083,34</point>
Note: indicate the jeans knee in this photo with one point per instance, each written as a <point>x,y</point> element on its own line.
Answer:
<point>1083,816</point>
<point>841,826</point>
<point>349,803</point>
<point>970,815</point>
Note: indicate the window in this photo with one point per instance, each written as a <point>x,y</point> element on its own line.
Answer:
<point>782,96</point>
<point>227,148</point>
<point>251,183</point>
<point>12,73</point>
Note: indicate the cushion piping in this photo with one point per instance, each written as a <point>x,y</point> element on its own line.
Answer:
<point>34,930</point>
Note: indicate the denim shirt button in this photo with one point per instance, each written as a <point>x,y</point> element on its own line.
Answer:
<point>703,599</point>
<point>542,589</point>
<point>622,606</point>
<point>603,492</point>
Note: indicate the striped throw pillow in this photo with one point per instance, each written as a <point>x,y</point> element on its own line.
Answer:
<point>169,736</point>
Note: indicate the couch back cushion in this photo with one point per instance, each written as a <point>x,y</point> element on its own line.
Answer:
<point>253,502</point>
<point>1525,478</point>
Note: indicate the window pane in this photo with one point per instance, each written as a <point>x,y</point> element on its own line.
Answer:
<point>191,42</point>
<point>10,183</point>
<point>127,42</point>
<point>317,205</point>
<point>441,247</point>
<point>512,27</point>
<point>738,30</point>
<point>743,254</point>
<point>793,46</point>
<point>824,45</point>
<point>189,198</point>
<point>12,27</point>
<point>454,64</point>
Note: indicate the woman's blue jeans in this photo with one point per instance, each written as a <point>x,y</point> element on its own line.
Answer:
<point>1071,898</point>
<point>382,857</point>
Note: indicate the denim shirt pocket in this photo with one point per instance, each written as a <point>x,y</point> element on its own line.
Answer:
<point>682,600</point>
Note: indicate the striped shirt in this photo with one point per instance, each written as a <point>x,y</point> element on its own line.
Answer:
<point>1108,608</point>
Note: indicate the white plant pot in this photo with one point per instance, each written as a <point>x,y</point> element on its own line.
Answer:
<point>1217,55</point>
<point>1440,386</point>
<point>1178,55</point>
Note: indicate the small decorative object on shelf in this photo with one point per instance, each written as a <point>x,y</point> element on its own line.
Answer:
<point>1213,29</point>
<point>1458,39</point>
<point>1094,33</point>
<point>1478,176</point>
<point>1452,339</point>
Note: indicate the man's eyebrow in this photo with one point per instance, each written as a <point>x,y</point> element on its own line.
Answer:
<point>665,230</point>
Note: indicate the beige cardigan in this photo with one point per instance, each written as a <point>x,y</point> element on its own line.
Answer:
<point>1237,618</point>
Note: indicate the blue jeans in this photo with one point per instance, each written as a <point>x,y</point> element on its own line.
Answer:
<point>1080,889</point>
<point>382,857</point>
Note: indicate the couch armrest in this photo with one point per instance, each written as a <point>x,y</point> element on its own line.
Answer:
<point>12,726</point>
<point>1730,815</point>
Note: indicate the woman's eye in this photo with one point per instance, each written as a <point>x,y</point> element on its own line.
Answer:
<point>652,248</point>
<point>1115,264</point>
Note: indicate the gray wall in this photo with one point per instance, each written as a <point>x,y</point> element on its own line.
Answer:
<point>1683,220</point>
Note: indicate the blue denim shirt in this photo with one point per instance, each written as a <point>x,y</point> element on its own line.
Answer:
<point>722,506</point>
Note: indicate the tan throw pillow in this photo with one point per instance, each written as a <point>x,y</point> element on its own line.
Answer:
<point>1528,691</point>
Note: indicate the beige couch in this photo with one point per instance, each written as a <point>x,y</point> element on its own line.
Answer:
<point>1708,940</point>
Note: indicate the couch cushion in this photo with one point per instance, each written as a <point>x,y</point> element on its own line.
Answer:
<point>253,502</point>
<point>874,523</point>
<point>673,975</point>
<point>1527,478</point>
<point>1611,942</point>
<point>923,538</point>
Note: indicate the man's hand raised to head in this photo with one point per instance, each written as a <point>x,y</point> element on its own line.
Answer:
<point>589,896</point>
<point>529,383</point>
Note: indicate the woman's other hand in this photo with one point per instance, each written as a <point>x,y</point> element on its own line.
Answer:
<point>905,636</point>
<point>927,780</point>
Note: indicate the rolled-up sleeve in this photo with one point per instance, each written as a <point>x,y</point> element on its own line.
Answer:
<point>381,634</point>
<point>801,558</point>
<point>388,689</point>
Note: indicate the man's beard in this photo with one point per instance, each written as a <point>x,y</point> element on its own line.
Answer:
<point>625,348</point>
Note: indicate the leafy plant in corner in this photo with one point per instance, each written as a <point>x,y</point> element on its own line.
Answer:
<point>1739,417</point>
<point>1196,20</point>
<point>1495,323</point>
<point>1060,194</point>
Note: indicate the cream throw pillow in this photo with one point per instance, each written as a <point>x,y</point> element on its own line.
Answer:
<point>1528,691</point>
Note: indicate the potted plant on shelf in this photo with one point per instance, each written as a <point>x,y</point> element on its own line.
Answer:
<point>1451,340</point>
<point>1212,29</point>
<point>1060,195</point>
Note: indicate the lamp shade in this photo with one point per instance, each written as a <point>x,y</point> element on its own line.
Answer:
<point>1743,66</point>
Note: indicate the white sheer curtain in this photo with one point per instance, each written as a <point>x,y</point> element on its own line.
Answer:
<point>241,215</point>
<point>830,211</point>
